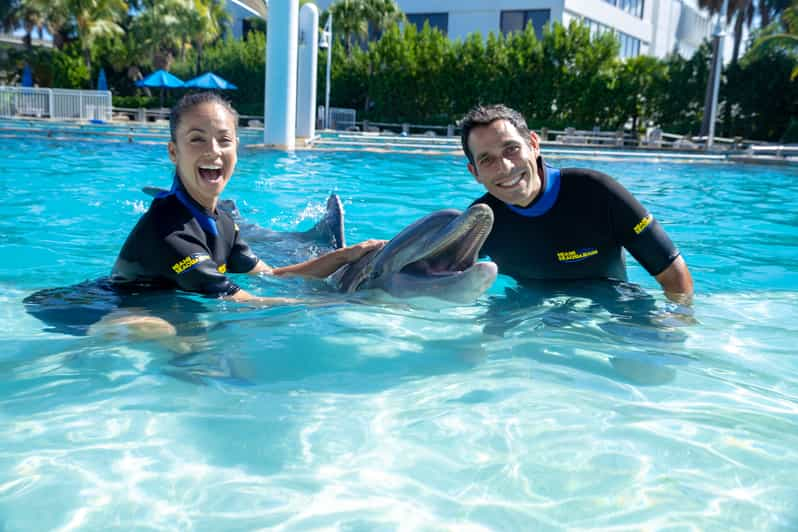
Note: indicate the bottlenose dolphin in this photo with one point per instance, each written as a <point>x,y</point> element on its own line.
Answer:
<point>434,257</point>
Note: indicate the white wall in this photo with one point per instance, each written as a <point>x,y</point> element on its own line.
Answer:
<point>613,17</point>
<point>659,31</point>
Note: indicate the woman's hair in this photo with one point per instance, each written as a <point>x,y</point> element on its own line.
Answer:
<point>190,101</point>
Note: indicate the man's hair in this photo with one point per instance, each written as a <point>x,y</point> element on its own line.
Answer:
<point>192,100</point>
<point>483,115</point>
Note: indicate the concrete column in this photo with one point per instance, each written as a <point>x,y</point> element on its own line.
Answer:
<point>306,75</point>
<point>281,57</point>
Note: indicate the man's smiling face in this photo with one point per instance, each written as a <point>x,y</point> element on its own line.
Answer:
<point>505,162</point>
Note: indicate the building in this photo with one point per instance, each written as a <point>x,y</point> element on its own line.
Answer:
<point>242,12</point>
<point>652,27</point>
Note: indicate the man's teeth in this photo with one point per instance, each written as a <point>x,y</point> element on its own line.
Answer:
<point>210,167</point>
<point>514,181</point>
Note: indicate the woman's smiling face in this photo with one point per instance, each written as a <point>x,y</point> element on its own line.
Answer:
<point>205,151</point>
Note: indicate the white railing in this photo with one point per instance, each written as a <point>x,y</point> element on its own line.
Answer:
<point>339,118</point>
<point>59,104</point>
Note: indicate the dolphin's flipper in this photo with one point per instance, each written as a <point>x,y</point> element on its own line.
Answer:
<point>331,226</point>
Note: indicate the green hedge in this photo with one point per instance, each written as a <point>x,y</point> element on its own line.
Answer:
<point>563,79</point>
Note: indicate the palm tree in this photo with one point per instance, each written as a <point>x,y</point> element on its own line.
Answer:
<point>159,31</point>
<point>741,11</point>
<point>782,32</point>
<point>382,14</point>
<point>356,20</point>
<point>16,14</point>
<point>8,15</point>
<point>95,19</point>
<point>55,17</point>
<point>205,22</point>
<point>351,24</point>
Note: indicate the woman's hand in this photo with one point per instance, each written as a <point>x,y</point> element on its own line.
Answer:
<point>321,267</point>
<point>353,253</point>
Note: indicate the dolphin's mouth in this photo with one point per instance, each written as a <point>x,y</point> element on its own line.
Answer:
<point>455,247</point>
<point>436,256</point>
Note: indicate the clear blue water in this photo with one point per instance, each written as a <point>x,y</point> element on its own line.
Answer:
<point>534,410</point>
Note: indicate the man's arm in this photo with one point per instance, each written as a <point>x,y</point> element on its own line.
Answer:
<point>676,282</point>
<point>321,267</point>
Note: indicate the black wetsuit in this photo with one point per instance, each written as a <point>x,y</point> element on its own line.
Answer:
<point>178,244</point>
<point>575,229</point>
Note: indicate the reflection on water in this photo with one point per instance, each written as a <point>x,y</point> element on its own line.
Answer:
<point>596,406</point>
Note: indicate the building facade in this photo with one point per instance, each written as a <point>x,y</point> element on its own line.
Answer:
<point>650,27</point>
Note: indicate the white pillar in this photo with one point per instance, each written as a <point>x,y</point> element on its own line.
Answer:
<point>716,72</point>
<point>306,75</point>
<point>281,52</point>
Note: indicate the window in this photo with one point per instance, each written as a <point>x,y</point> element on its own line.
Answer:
<point>438,21</point>
<point>630,46</point>
<point>517,20</point>
<point>634,7</point>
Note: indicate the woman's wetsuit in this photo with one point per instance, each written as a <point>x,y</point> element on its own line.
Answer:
<point>178,244</point>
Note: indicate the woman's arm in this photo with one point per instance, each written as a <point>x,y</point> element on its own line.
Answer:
<point>242,296</point>
<point>321,267</point>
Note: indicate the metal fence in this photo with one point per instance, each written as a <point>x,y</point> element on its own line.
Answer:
<point>340,118</point>
<point>59,104</point>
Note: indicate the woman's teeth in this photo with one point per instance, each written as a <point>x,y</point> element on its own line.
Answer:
<point>210,172</point>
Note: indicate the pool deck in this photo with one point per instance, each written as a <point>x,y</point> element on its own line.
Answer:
<point>130,132</point>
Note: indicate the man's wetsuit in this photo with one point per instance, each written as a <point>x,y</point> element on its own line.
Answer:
<point>575,229</point>
<point>178,244</point>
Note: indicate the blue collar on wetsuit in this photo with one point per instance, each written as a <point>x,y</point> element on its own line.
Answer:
<point>205,220</point>
<point>546,199</point>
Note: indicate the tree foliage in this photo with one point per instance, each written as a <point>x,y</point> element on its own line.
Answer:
<point>564,78</point>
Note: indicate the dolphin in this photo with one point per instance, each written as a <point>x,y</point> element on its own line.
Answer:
<point>435,256</point>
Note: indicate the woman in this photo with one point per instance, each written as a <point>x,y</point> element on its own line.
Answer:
<point>183,241</point>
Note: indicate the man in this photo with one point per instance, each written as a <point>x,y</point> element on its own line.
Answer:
<point>567,224</point>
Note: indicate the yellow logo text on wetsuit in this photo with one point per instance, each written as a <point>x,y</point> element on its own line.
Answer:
<point>576,255</point>
<point>642,224</point>
<point>222,268</point>
<point>189,262</point>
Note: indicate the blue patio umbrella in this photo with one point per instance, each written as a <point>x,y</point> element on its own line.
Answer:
<point>102,83</point>
<point>209,80</point>
<point>161,79</point>
<point>27,76</point>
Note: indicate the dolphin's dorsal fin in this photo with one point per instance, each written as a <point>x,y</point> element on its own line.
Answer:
<point>331,226</point>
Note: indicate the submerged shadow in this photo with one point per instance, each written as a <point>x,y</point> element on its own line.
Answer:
<point>642,339</point>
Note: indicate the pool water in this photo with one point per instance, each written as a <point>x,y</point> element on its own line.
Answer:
<point>602,407</point>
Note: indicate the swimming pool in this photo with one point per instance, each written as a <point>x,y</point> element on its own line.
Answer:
<point>526,410</point>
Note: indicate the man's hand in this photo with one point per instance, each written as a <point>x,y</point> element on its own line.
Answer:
<point>677,282</point>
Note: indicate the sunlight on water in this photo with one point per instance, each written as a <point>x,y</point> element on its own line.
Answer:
<point>602,409</point>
